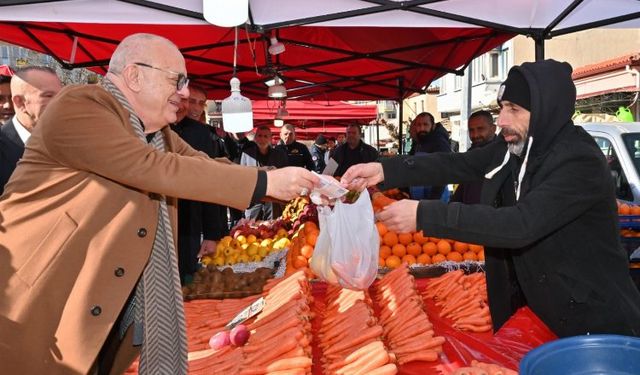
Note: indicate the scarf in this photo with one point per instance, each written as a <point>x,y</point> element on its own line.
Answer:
<point>156,308</point>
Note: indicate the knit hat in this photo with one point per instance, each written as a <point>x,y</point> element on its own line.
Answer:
<point>321,140</point>
<point>515,89</point>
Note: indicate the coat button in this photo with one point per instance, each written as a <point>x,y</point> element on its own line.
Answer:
<point>119,272</point>
<point>142,232</point>
<point>96,310</point>
<point>543,278</point>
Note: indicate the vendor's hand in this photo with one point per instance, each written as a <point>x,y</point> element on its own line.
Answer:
<point>287,183</point>
<point>208,247</point>
<point>401,216</point>
<point>360,176</point>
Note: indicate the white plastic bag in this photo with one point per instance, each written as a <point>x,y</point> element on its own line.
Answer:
<point>346,252</point>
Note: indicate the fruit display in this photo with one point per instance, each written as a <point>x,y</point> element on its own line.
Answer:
<point>298,212</point>
<point>209,282</point>
<point>303,243</point>
<point>627,208</point>
<point>463,299</point>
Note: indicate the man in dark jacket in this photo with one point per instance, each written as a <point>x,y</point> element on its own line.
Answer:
<point>318,151</point>
<point>429,137</point>
<point>482,131</point>
<point>199,224</point>
<point>298,154</point>
<point>548,220</point>
<point>353,151</point>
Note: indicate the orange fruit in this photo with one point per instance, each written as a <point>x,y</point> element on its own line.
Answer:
<point>476,248</point>
<point>469,255</point>
<point>311,238</point>
<point>399,250</point>
<point>310,226</point>
<point>393,261</point>
<point>385,251</point>
<point>409,259</point>
<point>414,249</point>
<point>405,238</point>
<point>300,262</point>
<point>481,255</point>
<point>454,256</point>
<point>635,210</point>
<point>438,258</point>
<point>390,238</point>
<point>382,229</point>
<point>430,249</point>
<point>423,259</point>
<point>434,239</point>
<point>306,251</point>
<point>420,238</point>
<point>624,209</point>
<point>460,247</point>
<point>444,247</point>
<point>381,262</point>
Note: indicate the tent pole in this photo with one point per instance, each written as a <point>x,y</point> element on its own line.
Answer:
<point>378,135</point>
<point>539,43</point>
<point>400,96</point>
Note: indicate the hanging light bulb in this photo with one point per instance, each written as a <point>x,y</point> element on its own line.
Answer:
<point>276,47</point>
<point>225,13</point>
<point>277,90</point>
<point>280,115</point>
<point>237,114</point>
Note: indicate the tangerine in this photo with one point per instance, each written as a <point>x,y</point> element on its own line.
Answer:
<point>476,248</point>
<point>393,261</point>
<point>430,249</point>
<point>381,262</point>
<point>624,209</point>
<point>310,226</point>
<point>306,251</point>
<point>414,249</point>
<point>635,210</point>
<point>405,238</point>
<point>385,251</point>
<point>420,238</point>
<point>390,238</point>
<point>444,247</point>
<point>300,262</point>
<point>311,238</point>
<point>423,259</point>
<point>399,250</point>
<point>382,229</point>
<point>438,258</point>
<point>454,256</point>
<point>460,247</point>
<point>409,259</point>
<point>434,239</point>
<point>481,255</point>
<point>469,255</point>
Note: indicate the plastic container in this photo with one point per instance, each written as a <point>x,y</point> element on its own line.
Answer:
<point>582,355</point>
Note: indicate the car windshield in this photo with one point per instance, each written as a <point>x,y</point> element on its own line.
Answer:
<point>632,145</point>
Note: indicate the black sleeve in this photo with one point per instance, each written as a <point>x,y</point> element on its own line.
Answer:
<point>307,157</point>
<point>211,225</point>
<point>261,187</point>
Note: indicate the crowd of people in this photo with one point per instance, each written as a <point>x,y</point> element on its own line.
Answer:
<point>102,186</point>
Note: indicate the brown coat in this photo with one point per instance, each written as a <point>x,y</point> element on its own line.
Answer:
<point>77,223</point>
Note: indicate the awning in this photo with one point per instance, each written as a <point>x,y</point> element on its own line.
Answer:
<point>312,110</point>
<point>620,74</point>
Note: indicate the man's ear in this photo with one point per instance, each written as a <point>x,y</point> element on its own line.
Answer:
<point>18,101</point>
<point>132,78</point>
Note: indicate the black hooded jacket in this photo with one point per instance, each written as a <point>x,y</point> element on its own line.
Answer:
<point>556,247</point>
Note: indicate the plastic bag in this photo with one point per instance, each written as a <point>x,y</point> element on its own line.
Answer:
<point>346,251</point>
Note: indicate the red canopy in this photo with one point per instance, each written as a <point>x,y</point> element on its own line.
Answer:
<point>314,110</point>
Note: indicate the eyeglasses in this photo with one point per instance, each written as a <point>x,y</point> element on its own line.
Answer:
<point>182,81</point>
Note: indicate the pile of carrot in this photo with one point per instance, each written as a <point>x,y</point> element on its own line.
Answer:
<point>406,325</point>
<point>350,336</point>
<point>280,341</point>
<point>463,299</point>
<point>481,368</point>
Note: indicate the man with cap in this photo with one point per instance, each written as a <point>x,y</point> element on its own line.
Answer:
<point>547,216</point>
<point>318,151</point>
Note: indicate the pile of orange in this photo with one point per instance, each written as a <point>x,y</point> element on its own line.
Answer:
<point>415,248</point>
<point>303,242</point>
<point>627,208</point>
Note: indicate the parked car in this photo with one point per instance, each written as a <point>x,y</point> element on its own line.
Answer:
<point>620,143</point>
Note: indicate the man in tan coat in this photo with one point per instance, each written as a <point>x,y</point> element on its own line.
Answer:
<point>88,274</point>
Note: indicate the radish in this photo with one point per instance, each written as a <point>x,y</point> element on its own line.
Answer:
<point>219,340</point>
<point>239,335</point>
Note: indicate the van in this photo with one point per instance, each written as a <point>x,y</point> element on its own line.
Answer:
<point>620,143</point>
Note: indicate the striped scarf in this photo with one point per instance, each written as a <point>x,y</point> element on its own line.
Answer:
<point>156,309</point>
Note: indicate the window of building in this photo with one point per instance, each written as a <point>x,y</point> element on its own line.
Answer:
<point>422,106</point>
<point>494,64</point>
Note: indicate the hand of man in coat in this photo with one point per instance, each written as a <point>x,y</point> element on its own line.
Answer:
<point>207,247</point>
<point>288,183</point>
<point>401,216</point>
<point>360,176</point>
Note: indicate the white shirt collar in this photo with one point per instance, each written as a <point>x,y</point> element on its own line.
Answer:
<point>22,132</point>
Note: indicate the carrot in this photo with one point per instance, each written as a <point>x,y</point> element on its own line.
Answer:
<point>474,328</point>
<point>370,361</point>
<point>418,346</point>
<point>298,371</point>
<point>426,335</point>
<point>388,369</point>
<point>373,346</point>
<point>374,331</point>
<point>427,356</point>
<point>279,365</point>
<point>469,371</point>
<point>270,352</point>
<point>474,320</point>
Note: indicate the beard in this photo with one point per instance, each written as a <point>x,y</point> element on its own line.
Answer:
<point>515,147</point>
<point>422,136</point>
